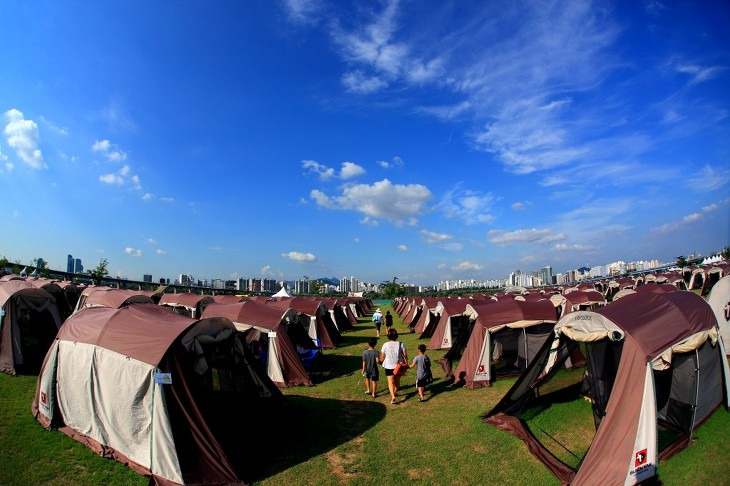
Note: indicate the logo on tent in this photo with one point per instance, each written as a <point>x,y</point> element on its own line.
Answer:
<point>640,458</point>
<point>480,369</point>
<point>446,340</point>
<point>44,399</point>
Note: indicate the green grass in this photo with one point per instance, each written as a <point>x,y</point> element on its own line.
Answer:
<point>332,433</point>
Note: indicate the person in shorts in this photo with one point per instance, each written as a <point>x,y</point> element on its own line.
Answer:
<point>392,353</point>
<point>388,322</point>
<point>370,360</point>
<point>377,320</point>
<point>423,372</point>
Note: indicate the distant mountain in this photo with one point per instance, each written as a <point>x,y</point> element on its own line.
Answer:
<point>331,281</point>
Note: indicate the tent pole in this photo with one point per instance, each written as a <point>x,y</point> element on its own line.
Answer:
<point>697,394</point>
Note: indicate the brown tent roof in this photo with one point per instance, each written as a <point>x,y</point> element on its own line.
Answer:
<point>115,298</point>
<point>143,332</point>
<point>185,299</point>
<point>508,311</point>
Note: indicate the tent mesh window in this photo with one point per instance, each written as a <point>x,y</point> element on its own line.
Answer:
<point>37,332</point>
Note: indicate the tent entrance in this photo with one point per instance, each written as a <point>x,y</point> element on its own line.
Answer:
<point>513,348</point>
<point>37,333</point>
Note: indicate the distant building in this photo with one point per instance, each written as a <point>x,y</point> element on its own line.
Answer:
<point>147,278</point>
<point>70,264</point>
<point>546,275</point>
<point>78,267</point>
<point>186,280</point>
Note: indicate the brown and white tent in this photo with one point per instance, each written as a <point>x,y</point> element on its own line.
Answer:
<point>578,300</point>
<point>719,300</point>
<point>186,303</point>
<point>273,334</point>
<point>110,297</point>
<point>451,323</point>
<point>152,389</point>
<point>65,293</point>
<point>654,361</point>
<point>29,321</point>
<point>315,318</point>
<point>505,338</point>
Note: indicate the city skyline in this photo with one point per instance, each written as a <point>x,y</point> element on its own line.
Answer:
<point>307,137</point>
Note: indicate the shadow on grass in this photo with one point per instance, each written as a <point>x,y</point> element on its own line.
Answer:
<point>436,388</point>
<point>299,430</point>
<point>334,366</point>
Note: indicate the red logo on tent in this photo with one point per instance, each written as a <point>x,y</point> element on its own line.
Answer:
<point>480,369</point>
<point>640,458</point>
<point>43,398</point>
<point>446,340</point>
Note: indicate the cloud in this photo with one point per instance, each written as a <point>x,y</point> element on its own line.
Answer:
<point>433,237</point>
<point>115,115</point>
<point>466,266</point>
<point>710,179</point>
<point>700,73</point>
<point>160,251</point>
<point>441,266</point>
<point>396,162</point>
<point>576,247</point>
<point>690,218</point>
<point>710,208</point>
<point>534,235</point>
<point>520,206</point>
<point>151,241</point>
<point>383,199</point>
<point>377,59</point>
<point>350,169</point>
<point>402,248</point>
<point>356,240</point>
<point>112,179</point>
<point>315,167</point>
<point>467,205</point>
<point>302,11</point>
<point>109,150</point>
<point>368,221</point>
<point>148,196</point>
<point>22,135</point>
<point>299,257</point>
<point>266,270</point>
<point>60,130</point>
<point>133,251</point>
<point>453,246</point>
<point>167,199</point>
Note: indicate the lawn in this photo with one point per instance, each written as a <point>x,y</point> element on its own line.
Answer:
<point>332,433</point>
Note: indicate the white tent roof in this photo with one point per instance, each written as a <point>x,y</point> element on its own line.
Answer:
<point>282,292</point>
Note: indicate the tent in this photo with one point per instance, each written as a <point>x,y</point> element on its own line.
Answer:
<point>152,389</point>
<point>315,318</point>
<point>578,300</point>
<point>274,335</point>
<point>65,293</point>
<point>646,354</point>
<point>29,321</point>
<point>505,338</point>
<point>451,323</point>
<point>109,297</point>
<point>282,292</point>
<point>340,314</point>
<point>186,303</point>
<point>719,301</point>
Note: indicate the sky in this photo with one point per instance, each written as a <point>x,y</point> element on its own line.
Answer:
<point>426,141</point>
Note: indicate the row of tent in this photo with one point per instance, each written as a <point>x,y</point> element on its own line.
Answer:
<point>654,362</point>
<point>140,382</point>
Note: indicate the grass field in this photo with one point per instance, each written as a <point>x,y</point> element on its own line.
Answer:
<point>332,433</point>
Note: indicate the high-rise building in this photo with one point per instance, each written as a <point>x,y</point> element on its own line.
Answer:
<point>78,267</point>
<point>147,278</point>
<point>546,274</point>
<point>344,284</point>
<point>70,264</point>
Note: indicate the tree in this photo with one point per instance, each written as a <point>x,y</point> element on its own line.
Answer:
<point>726,253</point>
<point>681,261</point>
<point>315,287</point>
<point>99,272</point>
<point>3,263</point>
<point>393,290</point>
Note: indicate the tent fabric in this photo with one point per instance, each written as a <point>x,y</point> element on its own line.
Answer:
<point>284,367</point>
<point>644,328</point>
<point>719,301</point>
<point>128,384</point>
<point>446,330</point>
<point>109,297</point>
<point>282,292</point>
<point>25,336</point>
<point>186,303</point>
<point>315,316</point>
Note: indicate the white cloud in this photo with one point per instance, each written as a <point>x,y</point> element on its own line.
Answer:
<point>22,135</point>
<point>299,257</point>
<point>124,171</point>
<point>112,179</point>
<point>520,206</point>
<point>368,221</point>
<point>710,208</point>
<point>350,169</point>
<point>357,82</point>
<point>576,247</point>
<point>160,251</point>
<point>266,270</point>
<point>441,266</point>
<point>109,150</point>
<point>315,167</point>
<point>136,182</point>
<point>466,266</point>
<point>691,218</point>
<point>710,178</point>
<point>133,251</point>
<point>60,130</point>
<point>396,162</point>
<point>470,206</point>
<point>700,73</point>
<point>148,196</point>
<point>402,248</point>
<point>433,237</point>
<point>151,241</point>
<point>302,11</point>
<point>383,199</point>
<point>167,199</point>
<point>534,235</point>
<point>453,246</point>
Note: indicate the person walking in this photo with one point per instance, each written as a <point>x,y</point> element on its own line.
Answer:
<point>388,322</point>
<point>423,372</point>
<point>392,353</point>
<point>377,320</point>
<point>370,360</point>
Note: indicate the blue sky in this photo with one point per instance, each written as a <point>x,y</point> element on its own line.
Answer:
<point>428,141</point>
